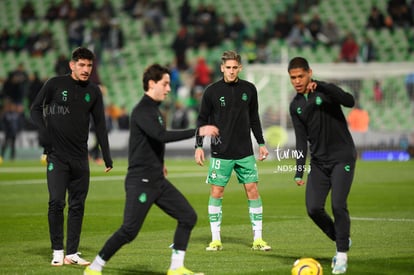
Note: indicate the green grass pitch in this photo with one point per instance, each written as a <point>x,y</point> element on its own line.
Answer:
<point>381,205</point>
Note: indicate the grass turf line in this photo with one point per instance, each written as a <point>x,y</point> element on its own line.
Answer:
<point>380,203</point>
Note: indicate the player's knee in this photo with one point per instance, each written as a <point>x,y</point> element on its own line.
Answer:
<point>189,220</point>
<point>217,191</point>
<point>56,205</point>
<point>315,211</point>
<point>127,234</point>
<point>339,209</point>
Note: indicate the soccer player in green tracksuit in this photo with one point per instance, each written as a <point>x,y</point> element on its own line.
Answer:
<point>318,120</point>
<point>62,111</point>
<point>146,183</point>
<point>232,105</point>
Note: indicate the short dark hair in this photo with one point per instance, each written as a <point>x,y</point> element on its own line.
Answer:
<point>82,53</point>
<point>230,55</point>
<point>153,72</point>
<point>298,63</point>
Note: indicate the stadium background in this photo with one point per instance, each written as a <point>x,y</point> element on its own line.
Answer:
<point>391,120</point>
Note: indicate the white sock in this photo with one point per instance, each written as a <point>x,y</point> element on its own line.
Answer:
<point>177,259</point>
<point>342,256</point>
<point>57,252</point>
<point>97,264</point>
<point>256,216</point>
<point>215,216</point>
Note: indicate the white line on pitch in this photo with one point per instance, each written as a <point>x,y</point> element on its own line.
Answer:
<point>381,219</point>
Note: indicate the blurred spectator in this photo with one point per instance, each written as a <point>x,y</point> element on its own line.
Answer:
<point>86,9</point>
<point>409,85</point>
<point>411,9</point>
<point>180,45</point>
<point>7,88</point>
<point>27,12</point>
<point>330,33</point>
<point>113,112</point>
<point>18,41</point>
<point>299,35</point>
<point>65,8</point>
<point>34,87</point>
<point>93,41</point>
<point>282,26</point>
<point>128,7</point>
<point>185,13</point>
<point>12,124</point>
<point>410,38</point>
<point>123,119</point>
<point>376,19</point>
<point>367,50</point>
<point>4,40</point>
<point>153,18</point>
<point>400,13</point>
<point>205,32</point>
<point>378,92</point>
<point>43,43</point>
<point>175,79</point>
<point>358,123</point>
<point>52,12</point>
<point>263,53</point>
<point>17,90</point>
<point>315,27</point>
<point>163,5</point>
<point>389,22</point>
<point>358,119</point>
<point>202,73</point>
<point>180,118</point>
<point>237,31</point>
<point>62,65</point>
<point>139,9</point>
<point>75,30</point>
<point>115,41</point>
<point>222,29</point>
<point>349,49</point>
<point>249,50</point>
<point>107,10</point>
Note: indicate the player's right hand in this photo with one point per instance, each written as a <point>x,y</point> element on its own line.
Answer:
<point>199,156</point>
<point>300,182</point>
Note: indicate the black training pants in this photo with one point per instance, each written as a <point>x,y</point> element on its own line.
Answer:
<point>336,178</point>
<point>141,194</point>
<point>71,176</point>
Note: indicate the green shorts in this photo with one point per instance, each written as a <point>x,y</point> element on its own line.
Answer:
<point>220,170</point>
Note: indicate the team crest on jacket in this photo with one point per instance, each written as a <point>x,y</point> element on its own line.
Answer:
<point>87,97</point>
<point>318,100</point>
<point>64,95</point>
<point>299,110</point>
<point>160,120</point>
<point>244,97</point>
<point>222,101</point>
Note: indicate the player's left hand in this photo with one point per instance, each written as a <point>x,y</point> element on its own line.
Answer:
<point>263,153</point>
<point>208,130</point>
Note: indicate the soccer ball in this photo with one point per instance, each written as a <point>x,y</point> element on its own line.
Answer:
<point>307,266</point>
